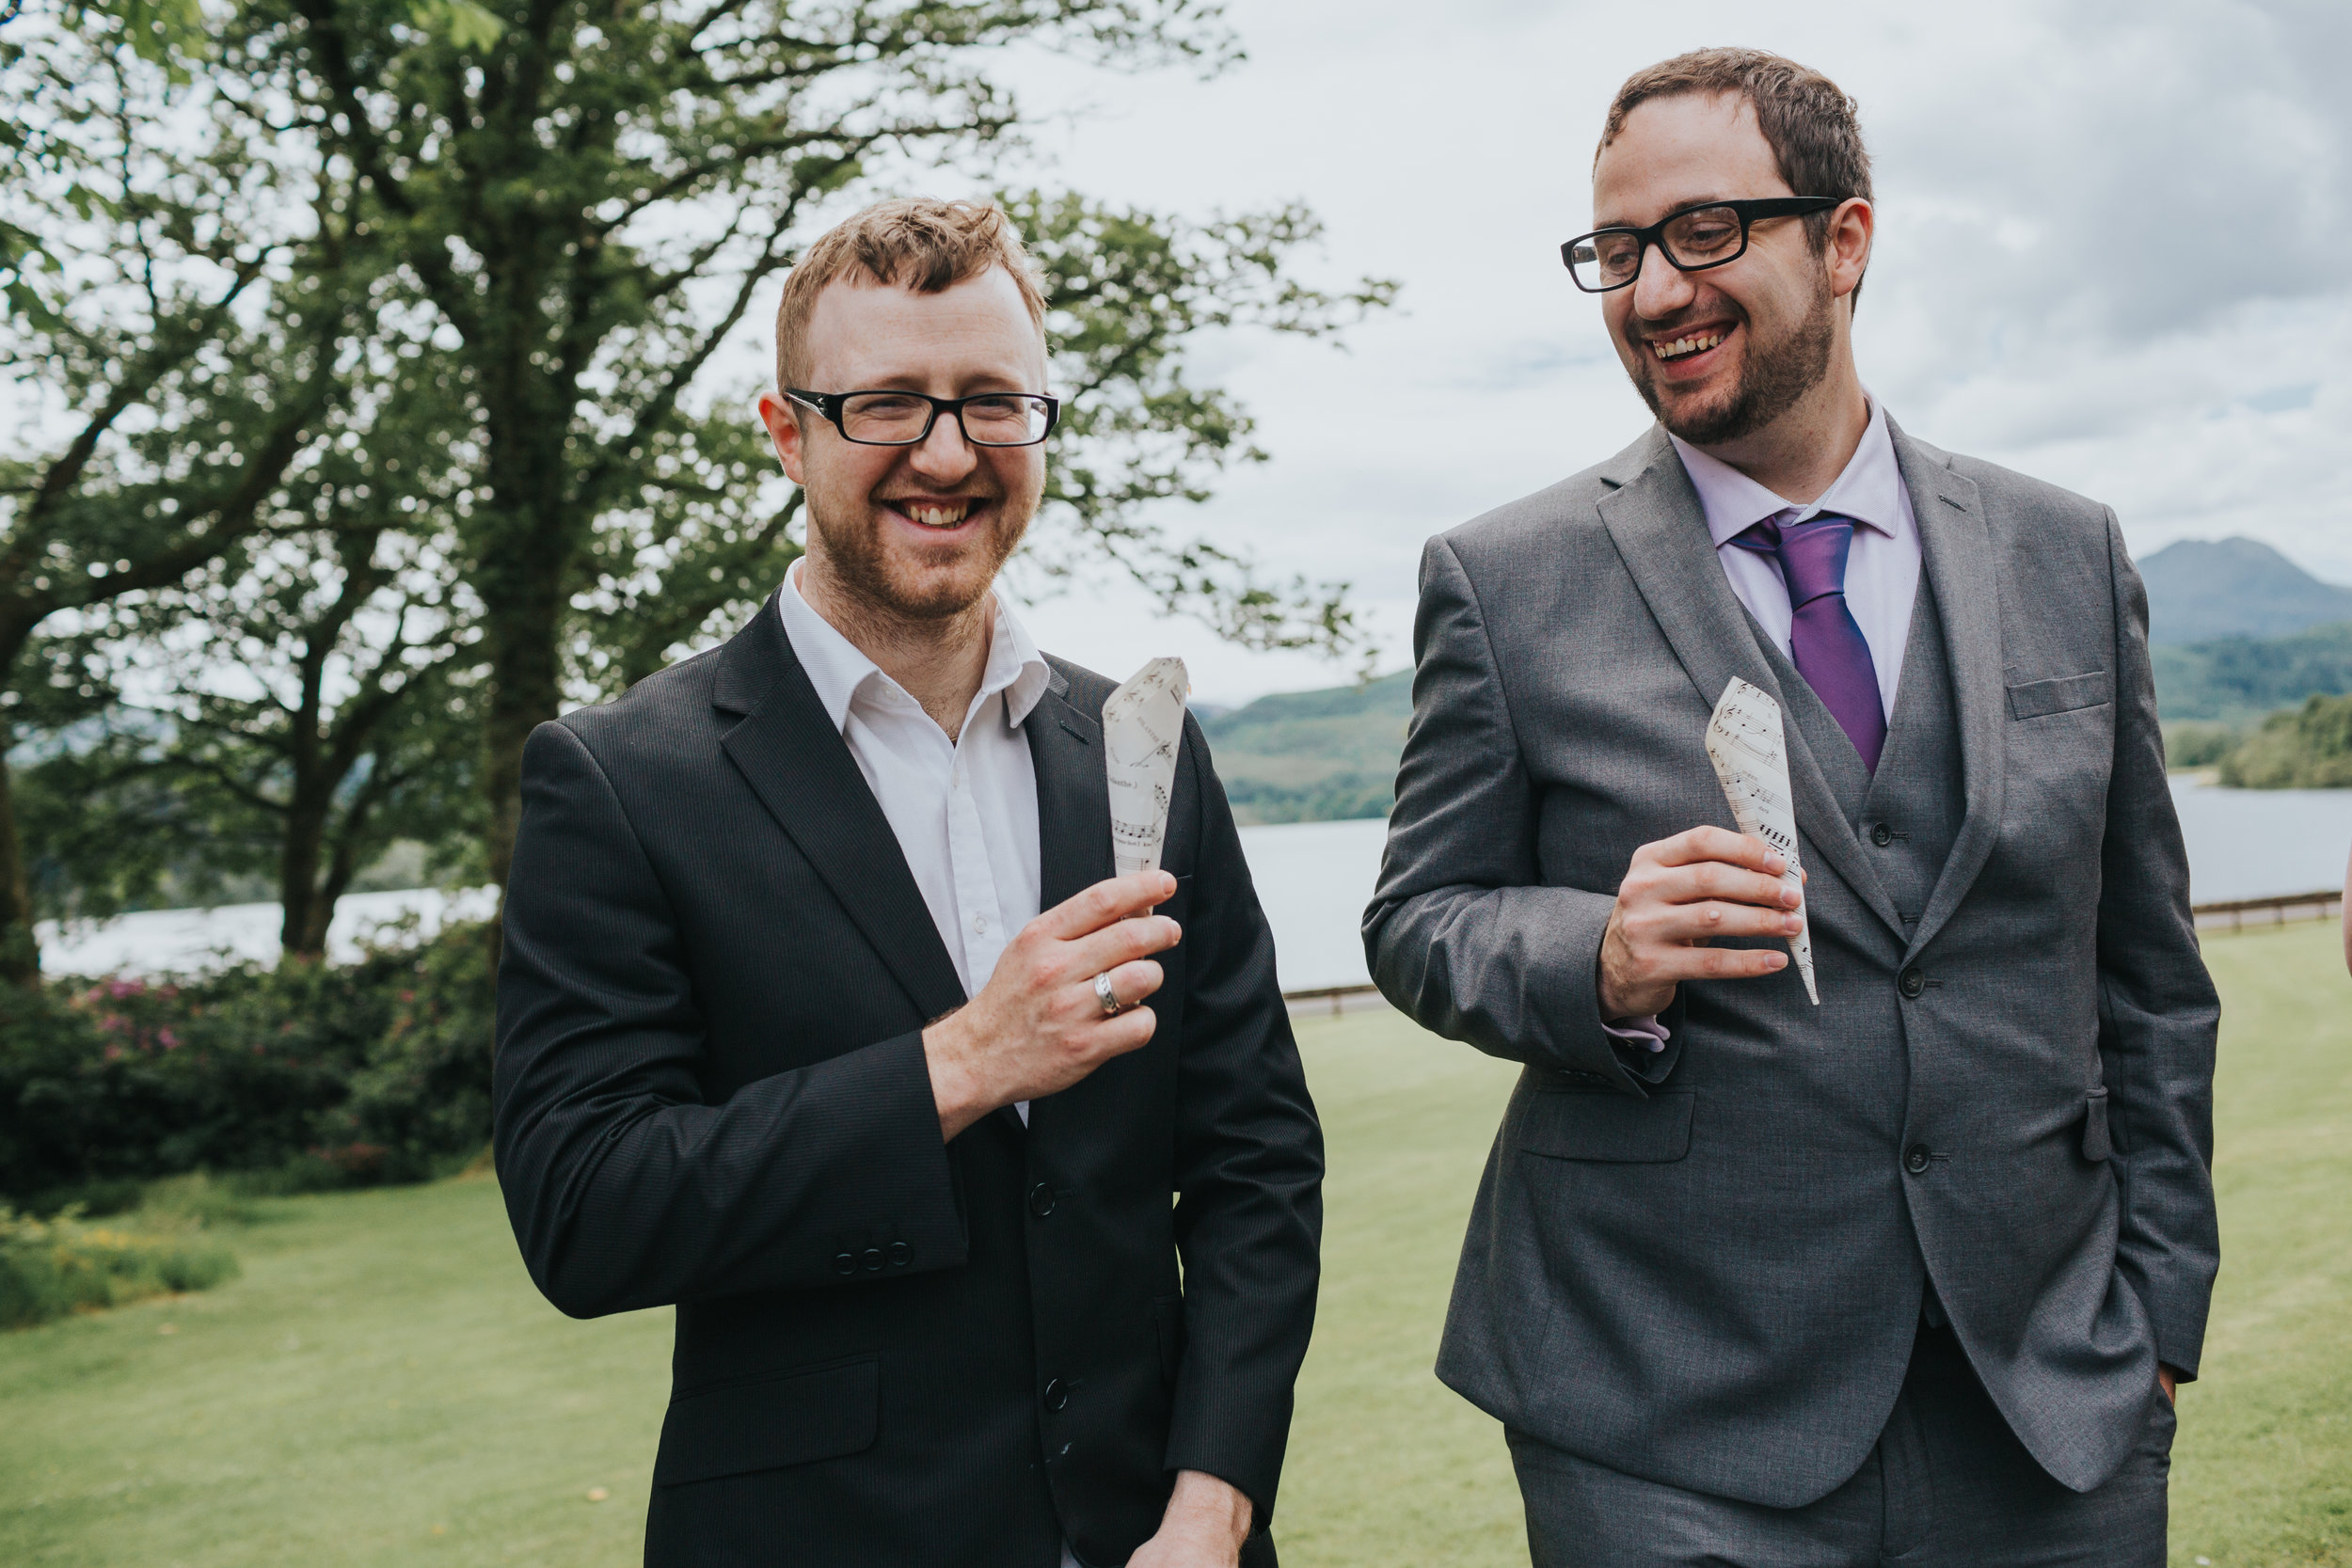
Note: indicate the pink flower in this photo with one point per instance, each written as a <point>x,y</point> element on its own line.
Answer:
<point>170,1041</point>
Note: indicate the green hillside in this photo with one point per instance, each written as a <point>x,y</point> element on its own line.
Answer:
<point>2235,680</point>
<point>1313,756</point>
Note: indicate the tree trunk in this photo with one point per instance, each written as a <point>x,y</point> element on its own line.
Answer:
<point>20,951</point>
<point>302,931</point>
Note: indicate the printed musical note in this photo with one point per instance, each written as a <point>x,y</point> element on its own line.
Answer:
<point>1745,742</point>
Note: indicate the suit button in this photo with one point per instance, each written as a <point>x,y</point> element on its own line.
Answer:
<point>900,1255</point>
<point>873,1259</point>
<point>1916,1159</point>
<point>1057,1394</point>
<point>844,1263</point>
<point>1041,1200</point>
<point>1881,836</point>
<point>1912,981</point>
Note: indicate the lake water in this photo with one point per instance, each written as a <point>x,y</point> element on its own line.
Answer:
<point>1313,878</point>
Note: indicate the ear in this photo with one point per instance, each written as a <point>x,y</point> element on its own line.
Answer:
<point>1852,228</point>
<point>783,429</point>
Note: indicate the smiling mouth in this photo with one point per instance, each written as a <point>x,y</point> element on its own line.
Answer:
<point>1683,347</point>
<point>935,515</point>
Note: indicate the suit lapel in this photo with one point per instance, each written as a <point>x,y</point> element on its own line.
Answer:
<point>1661,532</point>
<point>1957,555</point>
<point>1073,822</point>
<point>1073,796</point>
<point>801,768</point>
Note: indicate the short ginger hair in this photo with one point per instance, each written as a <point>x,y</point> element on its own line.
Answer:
<point>911,242</point>
<point>1813,130</point>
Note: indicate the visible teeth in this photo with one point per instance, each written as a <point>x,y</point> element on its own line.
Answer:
<point>1682,346</point>
<point>939,516</point>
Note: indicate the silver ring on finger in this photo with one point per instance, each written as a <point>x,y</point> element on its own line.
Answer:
<point>1112,1005</point>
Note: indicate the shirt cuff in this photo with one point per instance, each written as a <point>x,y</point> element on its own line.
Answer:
<point>1642,1033</point>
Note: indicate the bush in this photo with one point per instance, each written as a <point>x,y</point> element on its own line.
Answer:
<point>51,1267</point>
<point>307,1074</point>
<point>2306,748</point>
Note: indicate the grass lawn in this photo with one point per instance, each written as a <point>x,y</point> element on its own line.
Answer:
<point>382,1385</point>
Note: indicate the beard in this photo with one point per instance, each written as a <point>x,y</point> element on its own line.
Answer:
<point>1773,376</point>
<point>899,586</point>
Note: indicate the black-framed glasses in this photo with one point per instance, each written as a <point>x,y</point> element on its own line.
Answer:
<point>1710,234</point>
<point>905,419</point>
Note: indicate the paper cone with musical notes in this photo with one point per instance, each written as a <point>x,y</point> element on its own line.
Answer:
<point>1142,723</point>
<point>1745,742</point>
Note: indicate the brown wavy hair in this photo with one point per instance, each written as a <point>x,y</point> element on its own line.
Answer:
<point>1813,130</point>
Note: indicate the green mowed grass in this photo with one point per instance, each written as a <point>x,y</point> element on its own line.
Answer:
<point>382,1385</point>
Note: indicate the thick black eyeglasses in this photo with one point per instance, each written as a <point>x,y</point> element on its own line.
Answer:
<point>1707,235</point>
<point>905,419</point>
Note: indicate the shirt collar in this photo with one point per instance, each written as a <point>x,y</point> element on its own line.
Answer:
<point>842,674</point>
<point>1870,490</point>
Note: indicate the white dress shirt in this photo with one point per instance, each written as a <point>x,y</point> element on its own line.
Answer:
<point>1881,569</point>
<point>964,811</point>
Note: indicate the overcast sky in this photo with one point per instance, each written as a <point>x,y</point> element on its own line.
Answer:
<point>2115,251</point>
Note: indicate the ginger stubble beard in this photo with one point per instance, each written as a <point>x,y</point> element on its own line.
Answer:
<point>879,591</point>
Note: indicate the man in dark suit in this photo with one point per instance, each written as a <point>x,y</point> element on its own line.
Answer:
<point>823,1018</point>
<point>1909,1275</point>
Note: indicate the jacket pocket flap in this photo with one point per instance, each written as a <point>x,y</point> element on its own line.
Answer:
<point>766,1423</point>
<point>2096,1145</point>
<point>1613,1127</point>
<point>2034,698</point>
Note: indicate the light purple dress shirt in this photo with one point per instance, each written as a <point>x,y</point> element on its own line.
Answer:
<point>1882,570</point>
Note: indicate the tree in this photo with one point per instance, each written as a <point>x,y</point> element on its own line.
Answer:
<point>182,291</point>
<point>594,197</point>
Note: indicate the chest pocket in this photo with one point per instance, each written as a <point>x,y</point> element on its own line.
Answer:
<point>2039,699</point>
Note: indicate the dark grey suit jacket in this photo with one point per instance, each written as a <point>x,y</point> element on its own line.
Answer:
<point>1707,1267</point>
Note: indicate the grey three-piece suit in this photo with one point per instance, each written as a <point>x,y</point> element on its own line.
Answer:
<point>1706,1268</point>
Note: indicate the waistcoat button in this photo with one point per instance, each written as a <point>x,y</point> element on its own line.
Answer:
<point>1057,1394</point>
<point>1041,1200</point>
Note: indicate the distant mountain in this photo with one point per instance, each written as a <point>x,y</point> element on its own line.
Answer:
<point>2201,589</point>
<point>1313,756</point>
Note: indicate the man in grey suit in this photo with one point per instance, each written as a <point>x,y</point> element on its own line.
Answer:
<point>1909,1275</point>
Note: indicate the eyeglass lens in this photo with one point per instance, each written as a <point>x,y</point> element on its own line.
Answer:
<point>1703,237</point>
<point>893,418</point>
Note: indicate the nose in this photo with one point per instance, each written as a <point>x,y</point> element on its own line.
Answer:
<point>1661,288</point>
<point>944,454</point>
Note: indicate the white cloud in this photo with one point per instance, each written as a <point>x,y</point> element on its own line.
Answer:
<point>2116,252</point>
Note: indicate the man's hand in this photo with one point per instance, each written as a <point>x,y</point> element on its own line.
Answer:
<point>2167,1380</point>
<point>1680,893</point>
<point>1037,1026</point>
<point>1206,1522</point>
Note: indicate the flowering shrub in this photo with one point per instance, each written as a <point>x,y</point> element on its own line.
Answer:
<point>374,1070</point>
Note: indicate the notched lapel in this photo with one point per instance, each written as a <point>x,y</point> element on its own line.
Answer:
<point>1073,796</point>
<point>1956,548</point>
<point>1660,533</point>
<point>801,768</point>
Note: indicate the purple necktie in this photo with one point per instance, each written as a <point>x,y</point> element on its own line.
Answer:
<point>1825,644</point>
